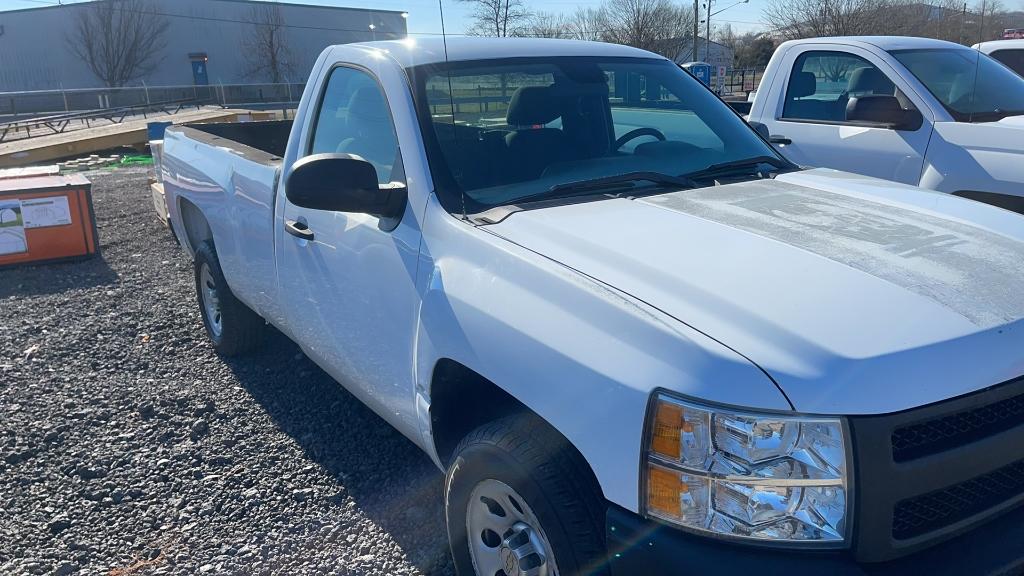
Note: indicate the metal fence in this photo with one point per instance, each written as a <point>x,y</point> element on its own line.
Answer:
<point>739,81</point>
<point>16,105</point>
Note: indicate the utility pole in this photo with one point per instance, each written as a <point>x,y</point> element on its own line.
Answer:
<point>707,37</point>
<point>696,30</point>
<point>981,25</point>
<point>963,17</point>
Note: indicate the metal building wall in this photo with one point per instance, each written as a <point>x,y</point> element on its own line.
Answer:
<point>34,53</point>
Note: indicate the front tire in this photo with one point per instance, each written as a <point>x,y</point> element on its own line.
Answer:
<point>232,327</point>
<point>521,501</point>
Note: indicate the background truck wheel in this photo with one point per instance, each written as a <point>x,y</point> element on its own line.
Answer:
<point>231,325</point>
<point>520,501</point>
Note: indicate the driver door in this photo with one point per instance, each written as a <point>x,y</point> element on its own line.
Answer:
<point>810,126</point>
<point>349,293</point>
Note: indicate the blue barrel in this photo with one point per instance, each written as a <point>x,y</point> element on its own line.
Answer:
<point>155,130</point>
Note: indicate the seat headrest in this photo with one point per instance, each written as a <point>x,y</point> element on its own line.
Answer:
<point>870,79</point>
<point>368,103</point>
<point>802,84</point>
<point>531,105</point>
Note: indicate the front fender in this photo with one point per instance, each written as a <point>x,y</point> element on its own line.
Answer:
<point>584,357</point>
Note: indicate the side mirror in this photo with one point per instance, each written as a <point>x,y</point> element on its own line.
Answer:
<point>883,110</point>
<point>760,129</point>
<point>343,183</point>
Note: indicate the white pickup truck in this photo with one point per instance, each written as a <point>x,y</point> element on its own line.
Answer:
<point>913,110</point>
<point>637,340</point>
<point>1009,52</point>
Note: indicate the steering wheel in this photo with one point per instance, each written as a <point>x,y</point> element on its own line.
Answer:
<point>633,134</point>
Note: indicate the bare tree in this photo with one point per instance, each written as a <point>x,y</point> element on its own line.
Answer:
<point>656,25</point>
<point>547,25</point>
<point>807,18</point>
<point>498,17</point>
<point>265,45</point>
<point>118,39</point>
<point>753,50</point>
<point>943,19</point>
<point>586,24</point>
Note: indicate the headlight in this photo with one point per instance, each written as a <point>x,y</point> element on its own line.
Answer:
<point>763,477</point>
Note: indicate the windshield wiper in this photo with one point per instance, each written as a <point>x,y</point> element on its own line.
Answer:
<point>608,183</point>
<point>736,165</point>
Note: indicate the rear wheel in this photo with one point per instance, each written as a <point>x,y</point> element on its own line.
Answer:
<point>232,327</point>
<point>522,502</point>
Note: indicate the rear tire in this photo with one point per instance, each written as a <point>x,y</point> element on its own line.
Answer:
<point>232,327</point>
<point>521,501</point>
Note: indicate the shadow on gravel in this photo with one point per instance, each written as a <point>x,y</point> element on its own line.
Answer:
<point>28,280</point>
<point>392,482</point>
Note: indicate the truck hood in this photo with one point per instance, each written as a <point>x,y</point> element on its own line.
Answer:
<point>856,295</point>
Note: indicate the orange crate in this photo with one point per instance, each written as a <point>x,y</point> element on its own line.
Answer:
<point>46,219</point>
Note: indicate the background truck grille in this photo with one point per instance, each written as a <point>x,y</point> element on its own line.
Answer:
<point>935,510</point>
<point>948,432</point>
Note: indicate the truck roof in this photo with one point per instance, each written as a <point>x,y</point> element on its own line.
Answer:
<point>883,42</point>
<point>993,45</point>
<point>431,49</point>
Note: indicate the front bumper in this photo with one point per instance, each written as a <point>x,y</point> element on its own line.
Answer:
<point>642,547</point>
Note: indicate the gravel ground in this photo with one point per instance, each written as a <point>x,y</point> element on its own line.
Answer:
<point>128,447</point>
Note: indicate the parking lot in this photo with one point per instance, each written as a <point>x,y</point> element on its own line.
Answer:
<point>128,447</point>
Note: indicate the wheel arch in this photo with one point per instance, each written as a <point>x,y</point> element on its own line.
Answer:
<point>462,400</point>
<point>196,227</point>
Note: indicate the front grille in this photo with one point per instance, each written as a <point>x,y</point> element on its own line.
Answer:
<point>935,510</point>
<point>958,429</point>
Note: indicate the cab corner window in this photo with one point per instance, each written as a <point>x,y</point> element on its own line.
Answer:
<point>353,118</point>
<point>823,83</point>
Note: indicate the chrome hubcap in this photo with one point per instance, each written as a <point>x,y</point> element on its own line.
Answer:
<point>211,301</point>
<point>505,537</point>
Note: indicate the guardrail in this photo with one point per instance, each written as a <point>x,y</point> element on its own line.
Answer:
<point>22,105</point>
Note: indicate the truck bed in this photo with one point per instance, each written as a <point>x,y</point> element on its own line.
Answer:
<point>229,173</point>
<point>270,137</point>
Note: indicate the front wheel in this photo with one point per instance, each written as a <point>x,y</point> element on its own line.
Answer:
<point>520,501</point>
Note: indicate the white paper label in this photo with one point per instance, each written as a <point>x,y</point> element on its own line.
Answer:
<point>12,228</point>
<point>46,212</point>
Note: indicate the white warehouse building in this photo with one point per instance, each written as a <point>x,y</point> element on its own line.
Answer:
<point>203,41</point>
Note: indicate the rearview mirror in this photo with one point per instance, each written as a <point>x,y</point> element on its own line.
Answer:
<point>343,183</point>
<point>883,109</point>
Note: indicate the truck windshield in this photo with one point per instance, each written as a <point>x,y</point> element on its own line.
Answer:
<point>498,131</point>
<point>972,86</point>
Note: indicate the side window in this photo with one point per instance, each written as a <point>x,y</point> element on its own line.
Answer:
<point>823,82</point>
<point>1013,59</point>
<point>354,119</point>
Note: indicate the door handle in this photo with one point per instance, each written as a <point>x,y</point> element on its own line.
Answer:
<point>781,140</point>
<point>298,229</point>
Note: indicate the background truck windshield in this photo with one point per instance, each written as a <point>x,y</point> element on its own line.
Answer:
<point>971,85</point>
<point>521,126</point>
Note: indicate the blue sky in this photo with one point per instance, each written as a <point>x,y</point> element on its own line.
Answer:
<point>423,14</point>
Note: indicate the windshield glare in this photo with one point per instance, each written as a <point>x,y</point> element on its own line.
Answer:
<point>521,126</point>
<point>971,85</point>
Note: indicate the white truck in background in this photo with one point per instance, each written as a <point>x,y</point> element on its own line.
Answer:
<point>918,111</point>
<point>1009,52</point>
<point>636,339</point>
